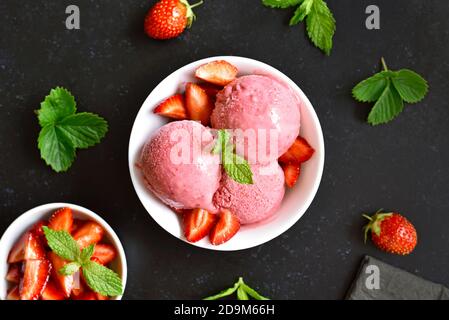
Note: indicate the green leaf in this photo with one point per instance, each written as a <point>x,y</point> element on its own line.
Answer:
<point>410,85</point>
<point>101,279</point>
<point>388,106</point>
<point>241,294</point>
<point>62,243</point>
<point>83,129</point>
<point>281,3</point>
<point>87,253</point>
<point>237,168</point>
<point>69,269</point>
<point>301,12</point>
<point>321,26</point>
<point>251,292</point>
<point>371,89</point>
<point>55,148</point>
<point>222,139</point>
<point>224,293</point>
<point>58,104</point>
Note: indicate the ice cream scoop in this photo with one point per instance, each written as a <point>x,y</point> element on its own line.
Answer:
<point>253,202</point>
<point>178,166</point>
<point>265,112</point>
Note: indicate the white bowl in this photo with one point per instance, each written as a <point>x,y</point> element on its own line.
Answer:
<point>24,223</point>
<point>296,200</point>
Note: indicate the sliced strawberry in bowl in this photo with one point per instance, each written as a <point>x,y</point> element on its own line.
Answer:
<point>37,228</point>
<point>211,90</point>
<point>28,247</point>
<point>52,292</point>
<point>104,253</point>
<point>65,283</point>
<point>197,224</point>
<point>291,173</point>
<point>227,226</point>
<point>13,274</point>
<point>35,277</point>
<point>199,105</point>
<point>218,72</point>
<point>299,152</point>
<point>90,233</point>
<point>61,220</point>
<point>173,107</point>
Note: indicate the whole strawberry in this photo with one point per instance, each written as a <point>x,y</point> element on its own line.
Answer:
<point>391,232</point>
<point>168,18</point>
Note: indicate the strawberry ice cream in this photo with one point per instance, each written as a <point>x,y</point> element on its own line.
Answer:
<point>179,168</point>
<point>259,102</point>
<point>253,202</point>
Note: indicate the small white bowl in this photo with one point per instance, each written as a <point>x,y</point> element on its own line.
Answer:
<point>296,200</point>
<point>26,221</point>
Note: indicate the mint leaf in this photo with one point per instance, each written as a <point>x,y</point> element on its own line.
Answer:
<point>387,107</point>
<point>301,12</point>
<point>56,149</point>
<point>58,104</point>
<point>224,293</point>
<point>253,293</point>
<point>62,243</point>
<point>64,130</point>
<point>410,85</point>
<point>83,129</point>
<point>281,3</point>
<point>222,139</point>
<point>87,253</point>
<point>237,168</point>
<point>370,90</point>
<point>101,279</point>
<point>321,26</point>
<point>243,292</point>
<point>69,269</point>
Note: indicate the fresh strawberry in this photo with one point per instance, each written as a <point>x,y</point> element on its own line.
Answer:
<point>199,105</point>
<point>227,226</point>
<point>35,278</point>
<point>77,223</point>
<point>28,247</point>
<point>197,224</point>
<point>88,295</point>
<point>13,294</point>
<point>90,233</point>
<point>291,173</point>
<point>105,253</point>
<point>65,282</point>
<point>37,229</point>
<point>218,72</point>
<point>211,90</point>
<point>168,18</point>
<point>392,232</point>
<point>61,220</point>
<point>299,152</point>
<point>173,107</point>
<point>13,274</point>
<point>52,292</point>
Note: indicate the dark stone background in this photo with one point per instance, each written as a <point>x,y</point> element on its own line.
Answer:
<point>111,66</point>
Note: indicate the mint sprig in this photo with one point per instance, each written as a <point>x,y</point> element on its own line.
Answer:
<point>244,292</point>
<point>389,90</point>
<point>99,278</point>
<point>320,21</point>
<point>63,130</point>
<point>236,167</point>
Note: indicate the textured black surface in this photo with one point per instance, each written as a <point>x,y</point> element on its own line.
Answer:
<point>111,66</point>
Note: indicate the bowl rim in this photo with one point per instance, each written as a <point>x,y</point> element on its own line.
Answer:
<point>320,148</point>
<point>46,209</point>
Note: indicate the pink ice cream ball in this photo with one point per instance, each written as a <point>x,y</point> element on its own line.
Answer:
<point>253,202</point>
<point>182,185</point>
<point>259,102</point>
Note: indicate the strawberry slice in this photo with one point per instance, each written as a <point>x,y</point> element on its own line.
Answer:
<point>90,233</point>
<point>173,107</point>
<point>211,90</point>
<point>37,229</point>
<point>13,294</point>
<point>199,105</point>
<point>35,278</point>
<point>88,295</point>
<point>218,72</point>
<point>28,247</point>
<point>13,274</point>
<point>52,292</point>
<point>291,173</point>
<point>65,282</point>
<point>61,220</point>
<point>77,223</point>
<point>197,224</point>
<point>227,226</point>
<point>104,253</point>
<point>299,152</point>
